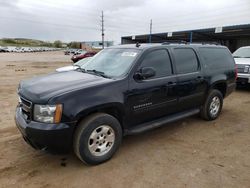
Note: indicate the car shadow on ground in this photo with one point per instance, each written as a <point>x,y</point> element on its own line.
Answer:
<point>245,87</point>
<point>141,142</point>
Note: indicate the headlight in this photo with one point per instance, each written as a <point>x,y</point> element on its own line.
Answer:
<point>48,113</point>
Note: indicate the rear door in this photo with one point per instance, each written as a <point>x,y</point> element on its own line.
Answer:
<point>156,96</point>
<point>191,86</point>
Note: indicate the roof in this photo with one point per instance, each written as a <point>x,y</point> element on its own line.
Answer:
<point>148,45</point>
<point>141,46</point>
<point>245,47</point>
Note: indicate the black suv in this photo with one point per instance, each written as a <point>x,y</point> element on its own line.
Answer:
<point>123,90</point>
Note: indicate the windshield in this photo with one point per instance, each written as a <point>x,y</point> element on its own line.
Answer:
<point>242,53</point>
<point>112,62</point>
<point>82,61</point>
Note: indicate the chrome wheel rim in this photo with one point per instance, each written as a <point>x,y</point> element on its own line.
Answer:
<point>101,140</point>
<point>214,106</point>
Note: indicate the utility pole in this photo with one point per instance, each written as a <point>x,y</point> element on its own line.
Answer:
<point>191,37</point>
<point>150,35</point>
<point>102,21</point>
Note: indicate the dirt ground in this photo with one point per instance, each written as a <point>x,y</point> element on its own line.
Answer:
<point>188,153</point>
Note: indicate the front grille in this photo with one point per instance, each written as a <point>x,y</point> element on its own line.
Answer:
<point>243,68</point>
<point>26,107</point>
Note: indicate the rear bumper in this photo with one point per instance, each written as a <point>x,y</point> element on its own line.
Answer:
<point>243,78</point>
<point>52,137</point>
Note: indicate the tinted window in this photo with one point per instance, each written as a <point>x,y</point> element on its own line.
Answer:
<point>217,58</point>
<point>160,61</point>
<point>185,60</point>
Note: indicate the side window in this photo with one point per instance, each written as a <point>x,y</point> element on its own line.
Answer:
<point>160,61</point>
<point>185,60</point>
<point>217,58</point>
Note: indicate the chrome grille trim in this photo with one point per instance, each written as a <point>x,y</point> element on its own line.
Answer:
<point>26,107</point>
<point>242,68</point>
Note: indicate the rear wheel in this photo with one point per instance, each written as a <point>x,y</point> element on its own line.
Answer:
<point>97,138</point>
<point>212,106</point>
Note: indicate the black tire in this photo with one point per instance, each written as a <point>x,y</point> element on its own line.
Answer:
<point>88,127</point>
<point>206,110</point>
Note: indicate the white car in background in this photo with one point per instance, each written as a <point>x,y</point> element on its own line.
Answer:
<point>242,60</point>
<point>11,49</point>
<point>75,66</point>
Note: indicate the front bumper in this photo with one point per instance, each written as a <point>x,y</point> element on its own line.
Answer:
<point>243,78</point>
<point>52,137</point>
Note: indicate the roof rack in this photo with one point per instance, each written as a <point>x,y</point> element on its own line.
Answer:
<point>174,42</point>
<point>211,43</point>
<point>184,42</point>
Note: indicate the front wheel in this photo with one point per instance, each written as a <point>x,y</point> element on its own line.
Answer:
<point>212,106</point>
<point>97,138</point>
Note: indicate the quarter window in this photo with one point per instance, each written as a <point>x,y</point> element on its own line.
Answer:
<point>160,61</point>
<point>217,58</point>
<point>185,60</point>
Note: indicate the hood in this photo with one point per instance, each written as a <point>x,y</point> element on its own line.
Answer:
<point>242,61</point>
<point>42,88</point>
<point>66,68</point>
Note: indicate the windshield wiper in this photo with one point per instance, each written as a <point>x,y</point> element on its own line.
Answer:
<point>99,73</point>
<point>80,68</point>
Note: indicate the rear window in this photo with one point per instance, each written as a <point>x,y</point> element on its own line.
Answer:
<point>217,58</point>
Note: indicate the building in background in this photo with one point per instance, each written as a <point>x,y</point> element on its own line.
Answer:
<point>88,45</point>
<point>231,36</point>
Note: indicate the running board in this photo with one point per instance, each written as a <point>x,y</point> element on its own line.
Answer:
<point>159,122</point>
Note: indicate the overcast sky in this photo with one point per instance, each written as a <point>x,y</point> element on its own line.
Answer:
<point>79,20</point>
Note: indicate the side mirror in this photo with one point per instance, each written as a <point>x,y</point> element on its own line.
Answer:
<point>144,73</point>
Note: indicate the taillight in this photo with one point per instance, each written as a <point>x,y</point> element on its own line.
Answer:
<point>236,71</point>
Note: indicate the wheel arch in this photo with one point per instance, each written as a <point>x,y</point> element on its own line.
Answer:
<point>221,86</point>
<point>114,109</point>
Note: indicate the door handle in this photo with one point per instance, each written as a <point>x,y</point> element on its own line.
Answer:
<point>171,83</point>
<point>199,79</point>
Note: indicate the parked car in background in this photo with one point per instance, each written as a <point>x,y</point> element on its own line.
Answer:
<point>70,51</point>
<point>27,49</point>
<point>11,49</point>
<point>2,49</point>
<point>76,58</point>
<point>75,66</point>
<point>123,90</point>
<point>242,59</point>
<point>67,52</point>
<point>20,50</point>
<point>79,51</point>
